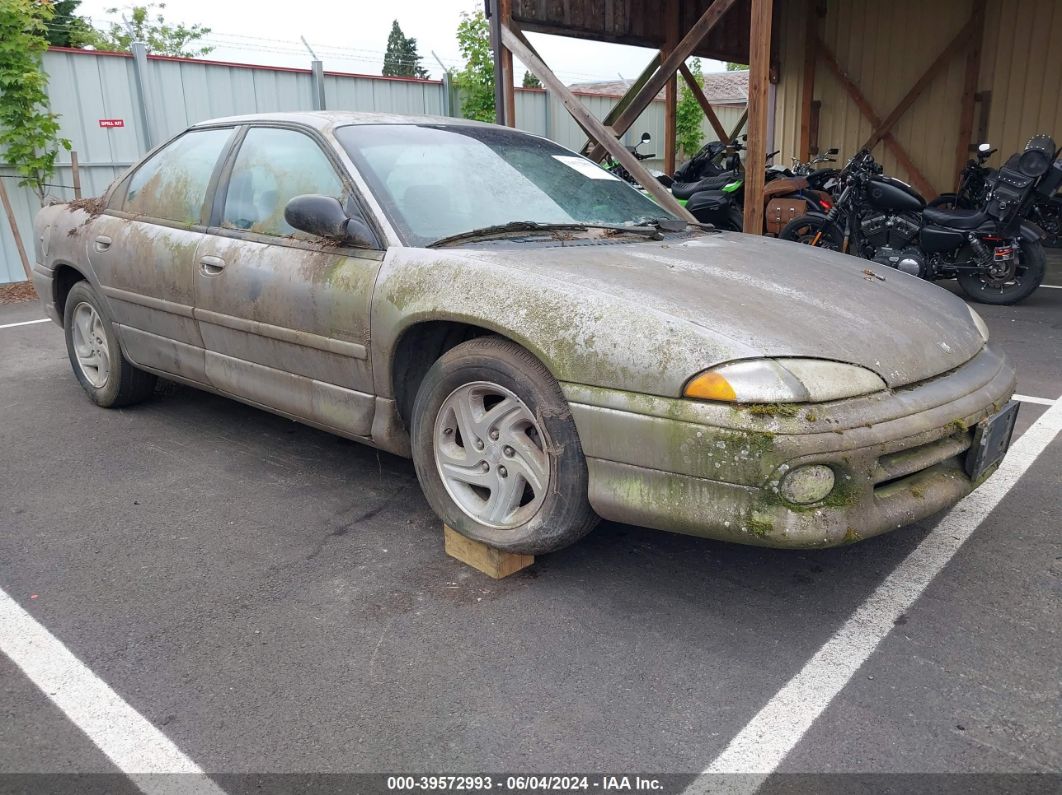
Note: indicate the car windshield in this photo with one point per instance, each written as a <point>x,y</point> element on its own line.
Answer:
<point>438,180</point>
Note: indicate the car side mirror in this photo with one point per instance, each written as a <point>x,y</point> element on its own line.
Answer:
<point>324,216</point>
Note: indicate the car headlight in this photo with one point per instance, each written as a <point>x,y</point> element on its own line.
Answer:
<point>979,322</point>
<point>783,381</point>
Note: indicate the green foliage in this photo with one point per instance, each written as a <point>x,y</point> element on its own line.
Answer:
<point>476,79</point>
<point>530,81</point>
<point>401,58</point>
<point>688,115</point>
<point>29,133</point>
<point>736,67</point>
<point>66,29</point>
<point>146,23</point>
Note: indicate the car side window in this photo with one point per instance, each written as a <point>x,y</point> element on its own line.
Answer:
<point>272,167</point>
<point>172,184</point>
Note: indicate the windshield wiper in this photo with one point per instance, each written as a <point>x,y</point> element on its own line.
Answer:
<point>537,226</point>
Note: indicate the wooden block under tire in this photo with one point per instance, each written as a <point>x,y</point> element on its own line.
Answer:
<point>489,560</point>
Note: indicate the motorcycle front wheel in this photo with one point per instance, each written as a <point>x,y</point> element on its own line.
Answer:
<point>1027,276</point>
<point>814,230</point>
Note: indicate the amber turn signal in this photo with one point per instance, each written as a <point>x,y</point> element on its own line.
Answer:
<point>710,386</point>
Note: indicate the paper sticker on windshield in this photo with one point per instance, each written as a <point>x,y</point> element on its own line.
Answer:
<point>585,167</point>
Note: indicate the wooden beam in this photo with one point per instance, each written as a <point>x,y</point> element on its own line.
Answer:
<point>14,229</point>
<point>807,90</point>
<point>759,81</point>
<point>491,561</point>
<point>668,66</point>
<point>737,127</point>
<point>494,26</point>
<point>515,40</point>
<point>625,100</point>
<point>959,42</point>
<point>702,100</point>
<point>913,172</point>
<point>969,86</point>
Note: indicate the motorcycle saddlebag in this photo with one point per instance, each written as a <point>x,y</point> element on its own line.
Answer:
<point>781,211</point>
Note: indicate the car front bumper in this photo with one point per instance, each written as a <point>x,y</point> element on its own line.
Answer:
<point>712,470</point>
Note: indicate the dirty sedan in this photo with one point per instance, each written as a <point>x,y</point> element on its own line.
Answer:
<point>547,344</point>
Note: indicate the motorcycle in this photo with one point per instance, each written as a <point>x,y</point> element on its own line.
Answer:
<point>719,199</point>
<point>616,168</point>
<point>994,253</point>
<point>974,183</point>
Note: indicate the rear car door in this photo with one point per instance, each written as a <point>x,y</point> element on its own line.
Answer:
<point>285,316</point>
<point>142,250</point>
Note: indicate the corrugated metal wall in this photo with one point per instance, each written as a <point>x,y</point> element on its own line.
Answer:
<point>85,87</point>
<point>886,46</point>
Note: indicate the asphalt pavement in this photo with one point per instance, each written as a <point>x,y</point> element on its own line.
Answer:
<point>275,600</point>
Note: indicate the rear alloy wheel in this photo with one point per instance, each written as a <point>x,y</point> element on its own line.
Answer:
<point>1011,284</point>
<point>96,355</point>
<point>496,449</point>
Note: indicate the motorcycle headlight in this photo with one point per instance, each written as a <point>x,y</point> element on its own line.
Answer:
<point>979,322</point>
<point>782,381</point>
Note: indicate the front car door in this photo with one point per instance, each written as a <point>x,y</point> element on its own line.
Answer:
<point>285,316</point>
<point>142,250</point>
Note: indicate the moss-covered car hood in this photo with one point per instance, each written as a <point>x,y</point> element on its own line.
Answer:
<point>765,297</point>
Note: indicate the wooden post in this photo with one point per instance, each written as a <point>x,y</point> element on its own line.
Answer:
<point>807,91</point>
<point>671,22</point>
<point>492,562</point>
<point>969,86</point>
<point>668,66</point>
<point>496,44</point>
<point>504,9</point>
<point>75,174</point>
<point>14,230</point>
<point>514,39</point>
<point>759,78</point>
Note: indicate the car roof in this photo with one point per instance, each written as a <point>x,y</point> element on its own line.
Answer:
<point>329,119</point>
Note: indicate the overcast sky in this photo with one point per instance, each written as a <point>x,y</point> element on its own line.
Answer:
<point>352,36</point>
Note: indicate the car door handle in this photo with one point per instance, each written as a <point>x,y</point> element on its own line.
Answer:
<point>102,243</point>
<point>211,265</point>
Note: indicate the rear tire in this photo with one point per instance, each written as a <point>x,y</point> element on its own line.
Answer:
<point>497,452</point>
<point>1029,277</point>
<point>814,230</point>
<point>96,355</point>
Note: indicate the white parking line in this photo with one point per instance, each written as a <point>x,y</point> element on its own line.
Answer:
<point>1040,401</point>
<point>128,739</point>
<point>24,323</point>
<point>768,738</point>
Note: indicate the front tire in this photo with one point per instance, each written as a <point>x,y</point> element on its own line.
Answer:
<point>1027,277</point>
<point>96,355</point>
<point>497,452</point>
<point>814,230</point>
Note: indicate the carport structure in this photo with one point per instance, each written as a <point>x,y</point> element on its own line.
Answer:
<point>919,84</point>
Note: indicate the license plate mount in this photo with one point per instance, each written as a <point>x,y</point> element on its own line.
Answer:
<point>991,440</point>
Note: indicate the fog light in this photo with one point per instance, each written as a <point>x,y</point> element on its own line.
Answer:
<point>805,485</point>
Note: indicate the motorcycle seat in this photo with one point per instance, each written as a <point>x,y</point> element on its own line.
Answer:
<point>683,190</point>
<point>954,218</point>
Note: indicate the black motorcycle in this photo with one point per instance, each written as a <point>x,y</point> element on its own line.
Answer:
<point>994,253</point>
<point>974,184</point>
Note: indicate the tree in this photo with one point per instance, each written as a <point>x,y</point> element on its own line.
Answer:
<point>147,24</point>
<point>688,114</point>
<point>476,79</point>
<point>530,81</point>
<point>29,133</point>
<point>66,29</point>
<point>402,58</point>
<point>736,67</point>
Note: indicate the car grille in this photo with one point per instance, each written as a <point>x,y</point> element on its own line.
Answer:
<point>893,470</point>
